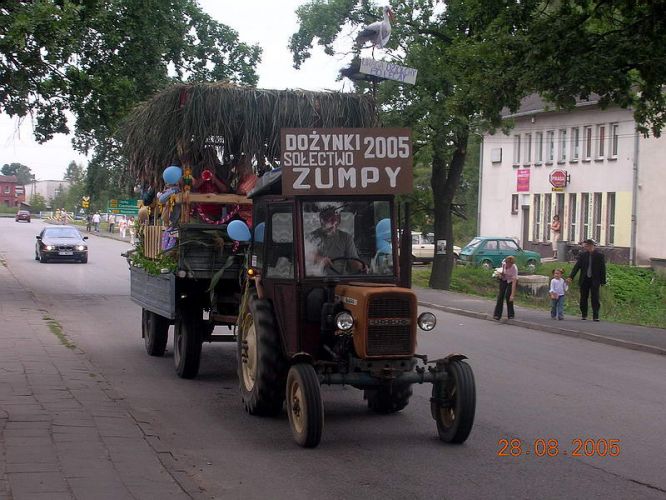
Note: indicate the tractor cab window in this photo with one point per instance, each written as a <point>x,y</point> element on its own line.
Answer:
<point>280,244</point>
<point>347,238</point>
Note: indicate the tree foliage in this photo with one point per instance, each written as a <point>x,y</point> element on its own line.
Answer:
<point>98,58</point>
<point>22,172</point>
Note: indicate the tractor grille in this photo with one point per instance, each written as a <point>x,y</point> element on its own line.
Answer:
<point>389,307</point>
<point>389,326</point>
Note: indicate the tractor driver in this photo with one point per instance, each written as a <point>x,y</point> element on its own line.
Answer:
<point>335,250</point>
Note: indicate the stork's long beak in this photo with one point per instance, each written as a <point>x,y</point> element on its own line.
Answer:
<point>391,15</point>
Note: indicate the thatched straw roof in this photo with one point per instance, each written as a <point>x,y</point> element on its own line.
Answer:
<point>197,124</point>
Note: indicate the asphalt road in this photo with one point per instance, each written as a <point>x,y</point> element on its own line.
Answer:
<point>530,386</point>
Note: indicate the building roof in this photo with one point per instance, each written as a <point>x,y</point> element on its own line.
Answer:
<point>8,178</point>
<point>534,104</point>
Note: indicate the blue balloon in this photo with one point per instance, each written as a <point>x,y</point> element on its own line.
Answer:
<point>238,230</point>
<point>172,174</point>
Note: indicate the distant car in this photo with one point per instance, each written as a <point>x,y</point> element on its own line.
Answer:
<point>423,248</point>
<point>490,251</point>
<point>23,215</point>
<point>61,243</point>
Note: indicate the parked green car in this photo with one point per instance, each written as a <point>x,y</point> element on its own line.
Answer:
<point>490,251</point>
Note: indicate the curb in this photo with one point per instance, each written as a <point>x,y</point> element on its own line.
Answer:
<point>551,329</point>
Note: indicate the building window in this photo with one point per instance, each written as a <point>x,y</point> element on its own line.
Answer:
<point>537,216</point>
<point>7,190</point>
<point>596,220</point>
<point>528,148</point>
<point>538,153</point>
<point>585,212</point>
<point>587,137</point>
<point>610,219</point>
<point>615,129</point>
<point>572,217</point>
<point>550,146</point>
<point>563,146</point>
<point>516,149</point>
<point>575,144</point>
<point>559,209</point>
<point>601,144</point>
<point>514,203</point>
<point>547,204</point>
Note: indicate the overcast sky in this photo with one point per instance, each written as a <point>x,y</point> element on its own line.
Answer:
<point>268,23</point>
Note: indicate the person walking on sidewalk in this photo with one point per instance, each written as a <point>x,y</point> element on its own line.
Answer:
<point>508,283</point>
<point>96,220</point>
<point>112,222</point>
<point>558,288</point>
<point>592,266</point>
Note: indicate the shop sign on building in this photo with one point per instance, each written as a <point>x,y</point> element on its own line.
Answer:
<point>558,179</point>
<point>523,180</point>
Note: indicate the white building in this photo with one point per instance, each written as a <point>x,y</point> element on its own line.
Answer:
<point>48,189</point>
<point>613,187</point>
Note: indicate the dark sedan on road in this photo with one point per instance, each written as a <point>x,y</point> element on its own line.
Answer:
<point>61,243</point>
<point>23,215</point>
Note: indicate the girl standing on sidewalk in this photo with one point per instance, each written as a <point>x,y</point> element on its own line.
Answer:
<point>508,282</point>
<point>558,287</point>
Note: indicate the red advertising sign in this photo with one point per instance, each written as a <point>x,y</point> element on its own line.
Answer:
<point>558,178</point>
<point>523,179</point>
<point>346,161</point>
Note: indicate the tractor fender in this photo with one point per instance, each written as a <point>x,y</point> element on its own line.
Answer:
<point>302,357</point>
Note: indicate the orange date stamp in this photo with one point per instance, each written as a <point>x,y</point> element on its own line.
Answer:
<point>549,447</point>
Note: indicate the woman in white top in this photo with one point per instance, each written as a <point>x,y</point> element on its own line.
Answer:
<point>508,284</point>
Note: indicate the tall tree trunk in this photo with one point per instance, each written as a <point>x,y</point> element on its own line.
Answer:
<point>444,183</point>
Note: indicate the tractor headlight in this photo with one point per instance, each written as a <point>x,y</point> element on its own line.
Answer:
<point>427,321</point>
<point>344,321</point>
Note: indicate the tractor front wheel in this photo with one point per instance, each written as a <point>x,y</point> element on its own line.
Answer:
<point>304,405</point>
<point>453,402</point>
<point>155,332</point>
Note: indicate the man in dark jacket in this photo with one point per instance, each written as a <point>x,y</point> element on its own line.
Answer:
<point>592,267</point>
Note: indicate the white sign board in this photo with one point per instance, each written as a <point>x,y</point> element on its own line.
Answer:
<point>388,70</point>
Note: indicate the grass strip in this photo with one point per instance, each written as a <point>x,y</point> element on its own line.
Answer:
<point>57,330</point>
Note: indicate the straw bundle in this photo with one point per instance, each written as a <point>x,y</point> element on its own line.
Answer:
<point>198,125</point>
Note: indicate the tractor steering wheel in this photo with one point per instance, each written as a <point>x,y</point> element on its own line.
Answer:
<point>364,267</point>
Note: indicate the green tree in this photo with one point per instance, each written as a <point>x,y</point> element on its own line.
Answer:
<point>98,59</point>
<point>75,173</point>
<point>23,173</point>
<point>37,203</point>
<point>573,48</point>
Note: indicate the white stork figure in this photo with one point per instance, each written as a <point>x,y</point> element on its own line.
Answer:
<point>378,32</point>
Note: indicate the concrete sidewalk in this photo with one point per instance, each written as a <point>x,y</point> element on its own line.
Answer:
<point>639,338</point>
<point>64,432</point>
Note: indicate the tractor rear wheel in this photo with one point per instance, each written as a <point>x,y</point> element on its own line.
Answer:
<point>304,405</point>
<point>453,402</point>
<point>388,399</point>
<point>262,367</point>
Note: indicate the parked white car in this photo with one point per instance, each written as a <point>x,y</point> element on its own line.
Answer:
<point>423,248</point>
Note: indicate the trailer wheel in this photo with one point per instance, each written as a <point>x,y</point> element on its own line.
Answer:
<point>187,342</point>
<point>261,364</point>
<point>453,403</point>
<point>388,399</point>
<point>304,405</point>
<point>155,332</point>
